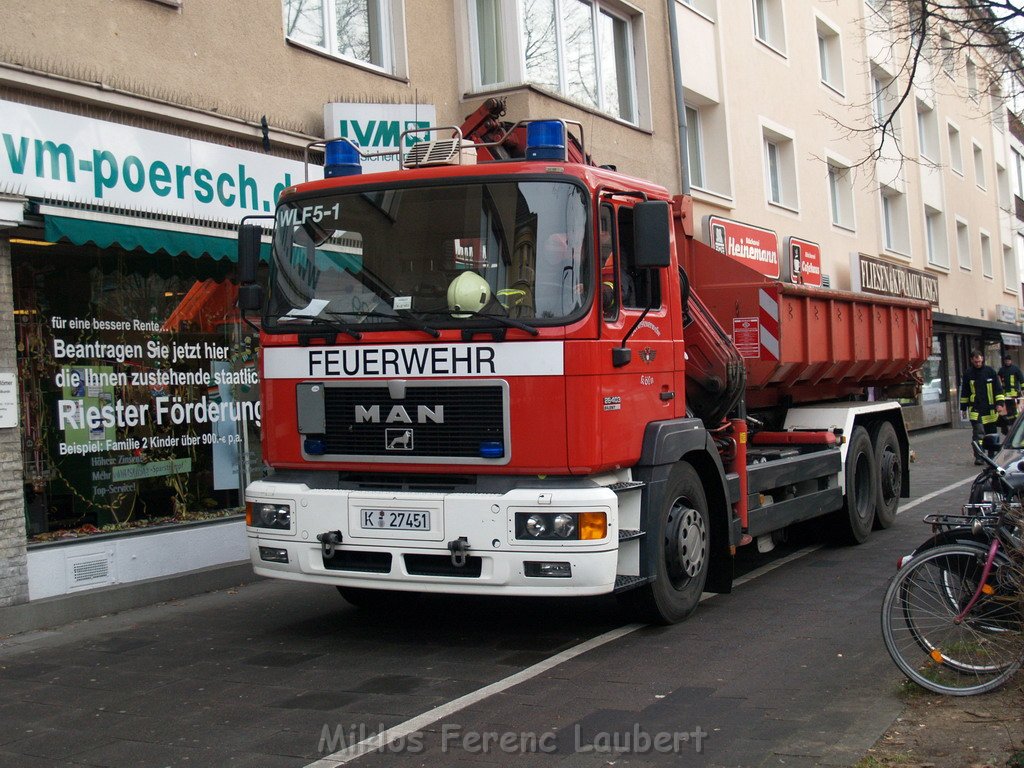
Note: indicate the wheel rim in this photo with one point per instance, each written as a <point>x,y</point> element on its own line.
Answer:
<point>686,539</point>
<point>891,473</point>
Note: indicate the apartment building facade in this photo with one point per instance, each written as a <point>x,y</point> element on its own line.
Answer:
<point>137,133</point>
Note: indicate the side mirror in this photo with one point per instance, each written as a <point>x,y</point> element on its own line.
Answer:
<point>250,297</point>
<point>651,249</point>
<point>250,238</point>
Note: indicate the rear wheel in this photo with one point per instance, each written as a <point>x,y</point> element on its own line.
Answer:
<point>858,513</point>
<point>683,535</point>
<point>889,461</point>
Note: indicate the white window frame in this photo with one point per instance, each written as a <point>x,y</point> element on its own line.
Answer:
<point>971,75</point>
<point>956,157</point>
<point>980,177</point>
<point>985,240</point>
<point>1011,278</point>
<point>895,226</point>
<point>695,147</point>
<point>770,24</point>
<point>928,132</point>
<point>935,235</point>
<point>883,100</point>
<point>513,63</point>
<point>830,55</point>
<point>839,178</point>
<point>948,54</point>
<point>780,179</point>
<point>963,245</point>
<point>390,30</point>
<point>714,147</point>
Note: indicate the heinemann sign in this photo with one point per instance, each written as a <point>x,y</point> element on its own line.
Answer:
<point>885,278</point>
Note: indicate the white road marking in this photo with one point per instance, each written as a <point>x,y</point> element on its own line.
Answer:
<point>402,730</point>
<point>933,494</point>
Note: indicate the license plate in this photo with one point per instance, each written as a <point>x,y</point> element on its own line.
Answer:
<point>396,519</point>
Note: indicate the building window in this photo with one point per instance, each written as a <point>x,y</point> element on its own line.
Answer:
<point>884,101</point>
<point>768,24</point>
<point>356,30</point>
<point>986,255</point>
<point>830,56</point>
<point>895,229</point>
<point>927,132</point>
<point>707,148</point>
<point>1011,281</point>
<point>580,50</point>
<point>840,192</point>
<point>971,71</point>
<point>780,169</point>
<point>694,147</point>
<point>963,245</point>
<point>956,160</point>
<point>979,167</point>
<point>1003,188</point>
<point>491,42</point>
<point>935,232</point>
<point>948,54</point>
<point>705,7</point>
<point>1018,174</point>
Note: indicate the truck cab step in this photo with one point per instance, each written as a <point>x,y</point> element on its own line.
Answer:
<point>626,485</point>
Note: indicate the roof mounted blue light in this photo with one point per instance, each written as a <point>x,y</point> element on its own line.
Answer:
<point>545,140</point>
<point>341,158</point>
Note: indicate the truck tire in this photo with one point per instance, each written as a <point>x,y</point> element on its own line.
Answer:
<point>858,512</point>
<point>889,461</point>
<point>682,532</point>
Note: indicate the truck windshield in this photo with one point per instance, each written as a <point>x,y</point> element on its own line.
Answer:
<point>444,255</point>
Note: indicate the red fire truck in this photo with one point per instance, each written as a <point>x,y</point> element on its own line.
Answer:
<point>505,370</point>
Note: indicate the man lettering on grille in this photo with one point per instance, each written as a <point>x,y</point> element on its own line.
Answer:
<point>1012,379</point>
<point>981,398</point>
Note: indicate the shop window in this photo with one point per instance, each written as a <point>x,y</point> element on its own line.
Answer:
<point>138,390</point>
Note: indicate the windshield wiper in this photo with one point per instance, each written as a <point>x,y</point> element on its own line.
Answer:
<point>323,322</point>
<point>508,322</point>
<point>402,317</point>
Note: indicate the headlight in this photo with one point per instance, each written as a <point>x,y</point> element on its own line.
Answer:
<point>569,526</point>
<point>536,526</point>
<point>277,516</point>
<point>564,525</point>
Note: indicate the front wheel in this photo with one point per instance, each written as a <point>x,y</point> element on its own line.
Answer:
<point>682,531</point>
<point>931,642</point>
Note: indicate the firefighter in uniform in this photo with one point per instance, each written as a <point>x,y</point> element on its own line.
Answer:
<point>1012,378</point>
<point>981,398</point>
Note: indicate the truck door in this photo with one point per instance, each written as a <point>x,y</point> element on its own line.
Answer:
<point>643,390</point>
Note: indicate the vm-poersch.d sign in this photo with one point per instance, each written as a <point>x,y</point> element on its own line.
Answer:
<point>44,153</point>
<point>884,278</point>
<point>757,248</point>
<point>804,261</point>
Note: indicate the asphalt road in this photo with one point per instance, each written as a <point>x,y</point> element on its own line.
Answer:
<point>788,670</point>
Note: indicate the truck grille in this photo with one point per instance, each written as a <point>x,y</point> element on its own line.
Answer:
<point>406,429</point>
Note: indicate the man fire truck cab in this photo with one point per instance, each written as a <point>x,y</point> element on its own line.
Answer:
<point>489,372</point>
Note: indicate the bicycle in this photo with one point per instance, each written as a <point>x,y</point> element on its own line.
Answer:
<point>953,616</point>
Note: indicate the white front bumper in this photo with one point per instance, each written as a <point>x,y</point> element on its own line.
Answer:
<point>486,521</point>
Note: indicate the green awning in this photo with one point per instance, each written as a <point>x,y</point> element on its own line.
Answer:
<point>131,237</point>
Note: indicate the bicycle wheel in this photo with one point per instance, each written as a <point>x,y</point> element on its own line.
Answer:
<point>995,611</point>
<point>924,637</point>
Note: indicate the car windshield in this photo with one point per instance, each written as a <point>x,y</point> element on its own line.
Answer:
<point>444,255</point>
